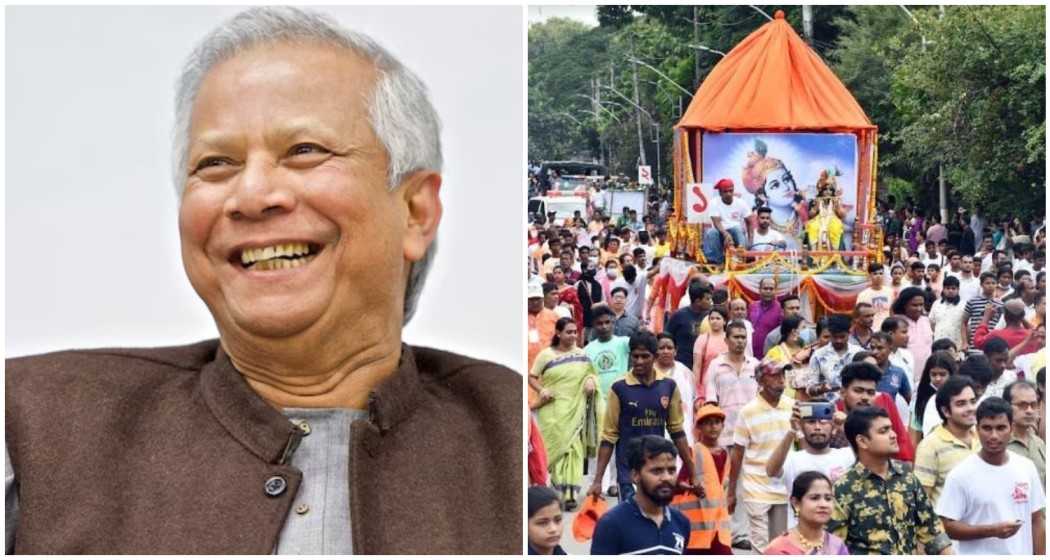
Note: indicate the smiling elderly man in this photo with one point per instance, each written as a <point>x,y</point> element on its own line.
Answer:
<point>308,163</point>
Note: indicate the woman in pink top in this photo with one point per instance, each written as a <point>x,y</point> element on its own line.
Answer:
<point>708,346</point>
<point>911,304</point>
<point>813,499</point>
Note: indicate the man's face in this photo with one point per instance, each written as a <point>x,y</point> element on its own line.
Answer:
<point>792,308</point>
<point>619,301</point>
<point>535,305</point>
<point>736,340</point>
<point>628,259</point>
<point>1005,279</point>
<point>839,340</point>
<point>642,361</point>
<point>766,289</point>
<point>656,479</point>
<point>764,219</point>
<point>988,286</point>
<point>986,244</point>
<point>859,393</point>
<point>955,262</point>
<point>881,440</point>
<point>824,338</point>
<point>876,279</point>
<point>998,361</point>
<point>603,326</point>
<point>880,350</point>
<point>967,264</point>
<point>772,384</point>
<point>931,249</point>
<point>726,194</point>
<point>963,409</point>
<point>566,260</point>
<point>817,432</point>
<point>866,316</point>
<point>916,273</point>
<point>738,309</point>
<point>994,433</point>
<point>1025,402</point>
<point>282,161</point>
<point>950,291</point>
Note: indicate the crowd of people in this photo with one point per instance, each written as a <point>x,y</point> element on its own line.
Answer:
<point>748,425</point>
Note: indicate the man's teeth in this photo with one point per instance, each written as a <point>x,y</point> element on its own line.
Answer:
<point>278,264</point>
<point>249,256</point>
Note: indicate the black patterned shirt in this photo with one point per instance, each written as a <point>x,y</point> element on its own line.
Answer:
<point>873,515</point>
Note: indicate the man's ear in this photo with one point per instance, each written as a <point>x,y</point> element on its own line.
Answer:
<point>423,212</point>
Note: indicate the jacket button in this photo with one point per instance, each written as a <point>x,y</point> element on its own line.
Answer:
<point>275,486</point>
<point>305,428</point>
<point>302,509</point>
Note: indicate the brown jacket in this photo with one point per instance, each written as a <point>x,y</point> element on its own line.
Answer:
<point>167,450</point>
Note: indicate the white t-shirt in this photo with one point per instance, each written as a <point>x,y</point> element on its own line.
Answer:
<point>732,215</point>
<point>767,241</point>
<point>1005,493</point>
<point>834,464</point>
<point>683,377</point>
<point>968,288</point>
<point>880,300</point>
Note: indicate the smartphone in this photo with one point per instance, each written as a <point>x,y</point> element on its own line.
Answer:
<point>816,410</point>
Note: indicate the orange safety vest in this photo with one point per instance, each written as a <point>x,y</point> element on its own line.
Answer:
<point>708,516</point>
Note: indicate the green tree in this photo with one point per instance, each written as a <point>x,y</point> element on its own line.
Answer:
<point>975,100</point>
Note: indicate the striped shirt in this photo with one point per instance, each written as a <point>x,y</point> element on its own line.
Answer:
<point>937,455</point>
<point>731,389</point>
<point>759,430</point>
<point>975,312</point>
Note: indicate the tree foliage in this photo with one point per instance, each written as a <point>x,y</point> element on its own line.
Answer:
<point>964,89</point>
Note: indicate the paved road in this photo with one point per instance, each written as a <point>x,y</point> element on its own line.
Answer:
<point>570,544</point>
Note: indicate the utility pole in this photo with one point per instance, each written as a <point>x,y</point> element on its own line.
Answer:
<point>637,112</point>
<point>942,188</point>
<point>596,98</point>
<point>696,54</point>
<point>807,23</point>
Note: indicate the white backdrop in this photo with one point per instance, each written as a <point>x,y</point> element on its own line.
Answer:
<point>92,240</point>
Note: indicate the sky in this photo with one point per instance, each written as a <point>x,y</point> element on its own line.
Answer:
<point>585,14</point>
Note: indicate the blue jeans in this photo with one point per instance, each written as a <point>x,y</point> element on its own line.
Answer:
<point>626,492</point>
<point>714,245</point>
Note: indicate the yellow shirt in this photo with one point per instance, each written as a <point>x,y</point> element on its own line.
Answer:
<point>937,455</point>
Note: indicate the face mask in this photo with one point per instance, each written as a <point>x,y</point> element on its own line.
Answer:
<point>611,273</point>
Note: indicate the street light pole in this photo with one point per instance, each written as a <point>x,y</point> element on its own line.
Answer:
<point>637,114</point>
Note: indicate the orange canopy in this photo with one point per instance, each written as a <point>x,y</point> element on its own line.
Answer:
<point>773,81</point>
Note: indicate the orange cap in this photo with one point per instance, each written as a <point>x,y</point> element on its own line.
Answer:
<point>709,409</point>
<point>587,518</point>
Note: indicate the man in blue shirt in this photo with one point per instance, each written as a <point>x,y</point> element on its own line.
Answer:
<point>644,524</point>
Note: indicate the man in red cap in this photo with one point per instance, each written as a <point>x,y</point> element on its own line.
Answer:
<point>729,223</point>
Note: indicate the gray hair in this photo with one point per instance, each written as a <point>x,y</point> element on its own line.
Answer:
<point>399,108</point>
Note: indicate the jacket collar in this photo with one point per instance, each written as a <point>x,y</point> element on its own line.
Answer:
<point>269,435</point>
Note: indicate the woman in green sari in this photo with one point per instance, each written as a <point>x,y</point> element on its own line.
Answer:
<point>566,381</point>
